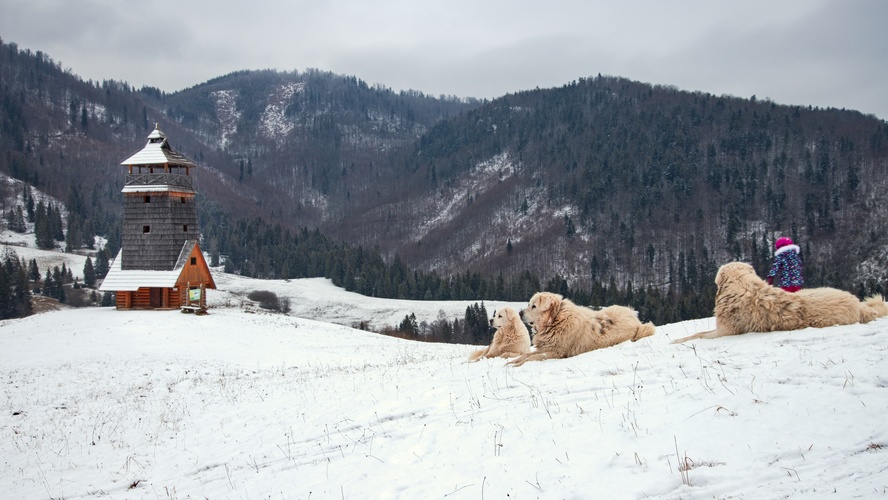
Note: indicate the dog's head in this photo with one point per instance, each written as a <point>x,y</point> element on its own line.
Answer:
<point>503,317</point>
<point>541,309</point>
<point>733,272</point>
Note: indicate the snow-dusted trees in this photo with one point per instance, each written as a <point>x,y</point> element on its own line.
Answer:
<point>15,295</point>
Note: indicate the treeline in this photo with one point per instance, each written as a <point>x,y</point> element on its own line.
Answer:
<point>474,328</point>
<point>257,249</point>
<point>15,292</point>
<point>21,280</point>
<point>84,221</point>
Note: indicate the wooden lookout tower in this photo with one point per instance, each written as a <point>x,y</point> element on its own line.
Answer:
<point>159,265</point>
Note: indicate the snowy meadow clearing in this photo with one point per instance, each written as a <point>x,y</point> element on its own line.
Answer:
<point>242,403</point>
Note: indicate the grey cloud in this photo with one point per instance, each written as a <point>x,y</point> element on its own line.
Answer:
<point>820,52</point>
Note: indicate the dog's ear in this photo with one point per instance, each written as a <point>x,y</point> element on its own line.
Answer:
<point>720,277</point>
<point>546,301</point>
<point>725,273</point>
<point>510,314</point>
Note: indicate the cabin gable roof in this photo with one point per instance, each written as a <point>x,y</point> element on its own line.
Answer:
<point>130,280</point>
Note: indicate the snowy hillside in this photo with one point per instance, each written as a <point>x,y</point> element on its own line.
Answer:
<point>318,299</point>
<point>99,403</point>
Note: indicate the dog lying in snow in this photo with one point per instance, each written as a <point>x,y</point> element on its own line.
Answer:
<point>563,329</point>
<point>746,303</point>
<point>511,338</point>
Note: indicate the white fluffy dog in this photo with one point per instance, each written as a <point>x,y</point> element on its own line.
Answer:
<point>746,303</point>
<point>564,329</point>
<point>511,338</point>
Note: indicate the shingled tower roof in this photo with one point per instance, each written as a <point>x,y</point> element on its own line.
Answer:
<point>158,152</point>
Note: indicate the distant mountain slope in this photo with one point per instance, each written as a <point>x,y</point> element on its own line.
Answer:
<point>609,177</point>
<point>323,140</point>
<point>289,147</point>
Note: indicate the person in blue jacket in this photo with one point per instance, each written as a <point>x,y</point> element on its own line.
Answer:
<point>786,270</point>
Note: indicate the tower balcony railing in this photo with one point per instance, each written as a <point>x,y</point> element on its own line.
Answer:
<point>161,179</point>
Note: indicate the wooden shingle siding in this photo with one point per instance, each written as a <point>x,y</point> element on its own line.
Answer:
<point>169,221</point>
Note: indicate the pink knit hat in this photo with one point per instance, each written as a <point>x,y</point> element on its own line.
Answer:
<point>782,242</point>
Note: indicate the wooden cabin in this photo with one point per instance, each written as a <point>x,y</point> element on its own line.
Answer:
<point>160,264</point>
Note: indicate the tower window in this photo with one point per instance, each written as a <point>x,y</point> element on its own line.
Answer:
<point>146,229</point>
<point>185,228</point>
<point>194,261</point>
<point>146,199</point>
<point>182,199</point>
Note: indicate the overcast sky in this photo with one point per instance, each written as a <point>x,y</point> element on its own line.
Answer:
<point>818,52</point>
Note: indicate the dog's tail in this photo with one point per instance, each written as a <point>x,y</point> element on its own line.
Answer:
<point>873,307</point>
<point>645,330</point>
<point>476,355</point>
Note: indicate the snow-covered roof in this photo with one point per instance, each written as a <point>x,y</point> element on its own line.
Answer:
<point>158,152</point>
<point>130,280</point>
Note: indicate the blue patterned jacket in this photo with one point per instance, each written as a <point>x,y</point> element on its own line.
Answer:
<point>786,270</point>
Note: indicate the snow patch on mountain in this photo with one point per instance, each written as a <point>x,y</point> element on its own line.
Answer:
<point>515,213</point>
<point>225,102</point>
<point>97,111</point>
<point>274,123</point>
<point>451,200</point>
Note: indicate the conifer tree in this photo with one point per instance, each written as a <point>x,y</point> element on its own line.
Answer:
<point>88,234</point>
<point>57,232</point>
<point>72,242</point>
<point>21,290</point>
<point>89,273</point>
<point>408,325</point>
<point>15,220</point>
<point>42,227</point>
<point>476,324</point>
<point>101,265</point>
<point>29,203</point>
<point>48,286</point>
<point>33,271</point>
<point>6,305</point>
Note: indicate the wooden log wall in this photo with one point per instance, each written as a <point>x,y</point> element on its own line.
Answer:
<point>151,298</point>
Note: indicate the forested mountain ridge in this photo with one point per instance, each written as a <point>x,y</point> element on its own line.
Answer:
<point>603,182</point>
<point>606,177</point>
<point>288,147</point>
<point>323,140</point>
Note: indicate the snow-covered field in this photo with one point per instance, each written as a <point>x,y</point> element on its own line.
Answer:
<point>24,248</point>
<point>99,403</point>
<point>318,299</point>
